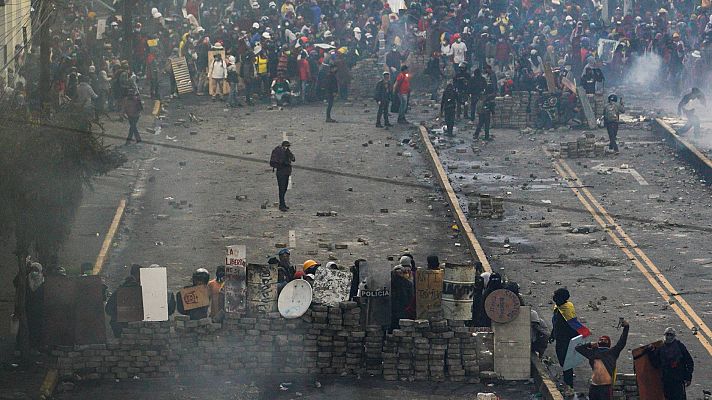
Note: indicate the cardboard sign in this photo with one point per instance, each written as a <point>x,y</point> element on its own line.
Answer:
<point>331,286</point>
<point>100,28</point>
<point>428,293</point>
<point>606,48</point>
<point>573,357</point>
<point>154,290</point>
<point>550,80</point>
<point>129,304</point>
<point>235,256</point>
<point>194,297</point>
<point>90,326</point>
<point>76,313</point>
<point>502,306</point>
<point>649,378</point>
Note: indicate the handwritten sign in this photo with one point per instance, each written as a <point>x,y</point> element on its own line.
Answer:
<point>154,289</point>
<point>502,306</point>
<point>235,287</point>
<point>194,297</point>
<point>261,288</point>
<point>428,293</point>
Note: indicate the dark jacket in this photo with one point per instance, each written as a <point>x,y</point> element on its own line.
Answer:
<point>607,356</point>
<point>282,159</point>
<point>448,102</point>
<point>674,361</point>
<point>330,85</point>
<point>401,296</point>
<point>383,91</point>
<point>433,68</point>
<point>110,307</point>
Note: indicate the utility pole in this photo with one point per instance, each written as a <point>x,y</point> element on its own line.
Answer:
<point>45,8</point>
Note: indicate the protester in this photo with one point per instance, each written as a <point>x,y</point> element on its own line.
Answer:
<point>478,305</point>
<point>233,79</point>
<point>133,280</point>
<point>448,106</point>
<point>281,161</point>
<point>402,293</point>
<point>433,262</point>
<point>132,108</point>
<point>218,74</point>
<point>602,358</point>
<point>566,326</point>
<point>402,90</point>
<point>384,91</point>
<point>330,87</point>
<point>688,105</point>
<point>675,363</point>
<point>611,116</point>
<point>217,300</point>
<point>201,276</point>
<point>285,270</point>
<point>539,334</point>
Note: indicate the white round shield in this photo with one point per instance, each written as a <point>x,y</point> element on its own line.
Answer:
<point>295,298</point>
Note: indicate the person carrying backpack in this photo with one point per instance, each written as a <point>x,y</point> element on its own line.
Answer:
<point>611,115</point>
<point>281,161</point>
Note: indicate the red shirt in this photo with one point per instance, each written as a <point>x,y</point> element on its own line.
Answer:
<point>403,83</point>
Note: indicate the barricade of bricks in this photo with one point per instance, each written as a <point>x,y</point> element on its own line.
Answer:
<point>325,340</point>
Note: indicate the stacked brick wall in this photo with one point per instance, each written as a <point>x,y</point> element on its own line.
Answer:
<point>326,340</point>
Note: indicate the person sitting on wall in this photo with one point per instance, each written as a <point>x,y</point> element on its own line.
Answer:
<point>285,270</point>
<point>201,276</point>
<point>110,308</point>
<point>217,299</point>
<point>401,295</point>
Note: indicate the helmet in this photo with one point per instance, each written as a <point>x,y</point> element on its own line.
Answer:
<point>266,35</point>
<point>327,34</point>
<point>613,97</point>
<point>310,263</point>
<point>201,274</point>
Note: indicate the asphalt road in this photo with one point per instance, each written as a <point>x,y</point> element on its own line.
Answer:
<point>659,214</point>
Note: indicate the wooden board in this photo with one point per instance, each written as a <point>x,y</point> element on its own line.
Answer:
<point>331,286</point>
<point>129,304</point>
<point>261,288</point>
<point>194,297</point>
<point>502,306</point>
<point>235,290</point>
<point>182,76</point>
<point>550,81</point>
<point>649,378</point>
<point>90,326</point>
<point>428,293</point>
<point>568,84</point>
<point>154,292</point>
<point>60,294</point>
<point>590,117</point>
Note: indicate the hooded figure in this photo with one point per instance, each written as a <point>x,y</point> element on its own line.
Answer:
<point>565,327</point>
<point>676,365</point>
<point>402,293</point>
<point>478,305</point>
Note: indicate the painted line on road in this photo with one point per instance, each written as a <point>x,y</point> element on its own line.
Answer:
<point>672,292</point>
<point>109,238</point>
<point>584,196</point>
<point>292,239</point>
<point>460,217</point>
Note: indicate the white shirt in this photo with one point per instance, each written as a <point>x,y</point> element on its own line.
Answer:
<point>219,70</point>
<point>458,52</point>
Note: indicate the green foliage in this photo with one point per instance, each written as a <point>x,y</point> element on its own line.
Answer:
<point>45,163</point>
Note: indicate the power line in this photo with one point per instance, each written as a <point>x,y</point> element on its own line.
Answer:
<point>10,35</point>
<point>29,40</point>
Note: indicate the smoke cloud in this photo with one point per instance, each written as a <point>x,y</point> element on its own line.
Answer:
<point>646,71</point>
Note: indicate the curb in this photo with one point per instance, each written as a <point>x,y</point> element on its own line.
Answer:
<point>544,383</point>
<point>472,243</point>
<point>687,150</point>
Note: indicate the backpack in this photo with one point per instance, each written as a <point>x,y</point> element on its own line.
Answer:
<point>610,113</point>
<point>276,160</point>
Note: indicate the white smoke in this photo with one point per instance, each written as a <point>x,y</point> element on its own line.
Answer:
<point>646,71</point>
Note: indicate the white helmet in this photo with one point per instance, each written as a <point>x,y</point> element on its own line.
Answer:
<point>256,25</point>
<point>357,29</point>
<point>327,34</point>
<point>266,35</point>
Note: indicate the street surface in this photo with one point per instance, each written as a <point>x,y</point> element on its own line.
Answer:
<point>662,210</point>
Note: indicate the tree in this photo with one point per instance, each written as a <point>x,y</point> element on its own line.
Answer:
<point>46,161</point>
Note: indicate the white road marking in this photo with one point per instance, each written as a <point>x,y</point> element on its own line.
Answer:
<point>292,239</point>
<point>289,183</point>
<point>635,174</point>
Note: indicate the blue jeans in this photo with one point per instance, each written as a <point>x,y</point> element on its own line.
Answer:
<point>403,106</point>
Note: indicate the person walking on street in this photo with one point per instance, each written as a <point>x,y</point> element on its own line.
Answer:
<point>330,86</point>
<point>565,327</point>
<point>402,89</point>
<point>448,106</point>
<point>384,90</point>
<point>281,161</point>
<point>602,358</point>
<point>132,108</point>
<point>676,365</point>
<point>611,115</point>
<point>233,78</point>
<point>485,110</point>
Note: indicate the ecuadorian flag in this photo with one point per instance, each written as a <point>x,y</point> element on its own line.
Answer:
<point>569,313</point>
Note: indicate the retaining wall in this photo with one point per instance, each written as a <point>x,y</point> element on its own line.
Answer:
<point>326,340</point>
